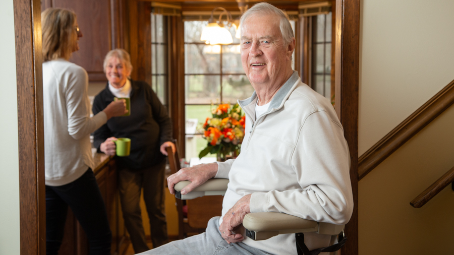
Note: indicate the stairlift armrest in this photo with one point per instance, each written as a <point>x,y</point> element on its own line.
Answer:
<point>212,187</point>
<point>264,225</point>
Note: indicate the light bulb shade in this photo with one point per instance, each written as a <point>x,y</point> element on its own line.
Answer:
<point>221,36</point>
<point>214,34</point>
<point>208,30</point>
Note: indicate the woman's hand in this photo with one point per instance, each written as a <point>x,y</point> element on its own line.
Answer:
<point>108,146</point>
<point>197,175</point>
<point>116,108</point>
<point>165,145</point>
<point>232,229</point>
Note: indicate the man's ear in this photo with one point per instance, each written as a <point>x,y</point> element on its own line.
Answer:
<point>291,46</point>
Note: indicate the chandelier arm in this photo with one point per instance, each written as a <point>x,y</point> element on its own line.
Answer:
<point>228,15</point>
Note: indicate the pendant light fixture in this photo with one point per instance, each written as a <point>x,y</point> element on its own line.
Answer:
<point>216,32</point>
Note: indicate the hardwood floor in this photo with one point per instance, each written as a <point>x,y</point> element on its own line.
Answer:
<point>130,250</point>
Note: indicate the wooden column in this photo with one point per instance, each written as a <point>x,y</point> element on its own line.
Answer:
<point>347,84</point>
<point>140,39</point>
<point>27,26</point>
<point>176,80</point>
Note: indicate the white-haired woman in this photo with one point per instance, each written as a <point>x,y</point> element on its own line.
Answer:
<point>67,126</point>
<point>149,128</point>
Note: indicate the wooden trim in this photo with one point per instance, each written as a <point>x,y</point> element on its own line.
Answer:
<point>176,80</point>
<point>133,29</point>
<point>406,130</point>
<point>347,84</point>
<point>333,52</point>
<point>27,26</point>
<point>433,190</point>
<point>305,51</point>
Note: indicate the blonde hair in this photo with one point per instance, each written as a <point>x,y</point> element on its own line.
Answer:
<point>59,35</point>
<point>122,55</point>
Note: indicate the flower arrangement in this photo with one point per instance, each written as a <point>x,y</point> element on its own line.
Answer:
<point>224,131</point>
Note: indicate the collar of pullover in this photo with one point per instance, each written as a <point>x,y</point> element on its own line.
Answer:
<point>248,104</point>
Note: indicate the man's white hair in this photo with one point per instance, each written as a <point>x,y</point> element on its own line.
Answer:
<point>266,8</point>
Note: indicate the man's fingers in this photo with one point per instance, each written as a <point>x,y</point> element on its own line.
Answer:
<point>170,184</point>
<point>189,188</point>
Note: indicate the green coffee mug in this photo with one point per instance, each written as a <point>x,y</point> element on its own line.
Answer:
<point>123,146</point>
<point>128,104</point>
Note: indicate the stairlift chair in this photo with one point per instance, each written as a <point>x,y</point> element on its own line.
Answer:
<point>263,225</point>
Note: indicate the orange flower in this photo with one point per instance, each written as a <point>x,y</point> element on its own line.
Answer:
<point>243,121</point>
<point>228,133</point>
<point>225,121</point>
<point>206,123</point>
<point>235,122</point>
<point>224,107</point>
<point>215,134</point>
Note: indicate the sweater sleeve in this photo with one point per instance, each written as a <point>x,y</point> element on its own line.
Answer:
<point>102,133</point>
<point>224,169</point>
<point>77,105</point>
<point>321,163</point>
<point>161,116</point>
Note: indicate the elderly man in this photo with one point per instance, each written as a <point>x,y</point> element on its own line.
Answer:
<point>294,158</point>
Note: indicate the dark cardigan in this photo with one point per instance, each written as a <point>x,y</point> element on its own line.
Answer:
<point>148,126</point>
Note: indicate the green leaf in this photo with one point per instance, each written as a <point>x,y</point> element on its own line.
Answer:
<point>204,152</point>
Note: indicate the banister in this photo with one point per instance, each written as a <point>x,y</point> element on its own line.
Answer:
<point>434,189</point>
<point>406,130</point>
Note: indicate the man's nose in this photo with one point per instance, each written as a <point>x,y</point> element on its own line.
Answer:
<point>255,50</point>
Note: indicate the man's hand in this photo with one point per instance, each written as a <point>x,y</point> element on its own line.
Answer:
<point>197,175</point>
<point>165,145</point>
<point>108,146</point>
<point>232,229</point>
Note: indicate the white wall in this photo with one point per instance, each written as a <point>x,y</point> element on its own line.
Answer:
<point>406,57</point>
<point>9,160</point>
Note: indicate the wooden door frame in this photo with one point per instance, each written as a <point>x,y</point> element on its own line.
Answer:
<point>347,91</point>
<point>27,27</point>
<point>27,20</point>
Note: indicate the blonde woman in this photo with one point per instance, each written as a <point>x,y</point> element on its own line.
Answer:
<point>150,130</point>
<point>67,126</point>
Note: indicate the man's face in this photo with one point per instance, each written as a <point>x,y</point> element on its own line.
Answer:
<point>264,56</point>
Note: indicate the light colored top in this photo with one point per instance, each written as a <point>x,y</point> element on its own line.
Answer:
<point>260,110</point>
<point>294,159</point>
<point>67,122</point>
<point>123,92</point>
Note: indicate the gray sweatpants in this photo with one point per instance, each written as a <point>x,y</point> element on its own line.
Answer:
<point>208,243</point>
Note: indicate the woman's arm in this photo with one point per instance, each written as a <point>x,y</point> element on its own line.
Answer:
<point>77,105</point>
<point>103,133</point>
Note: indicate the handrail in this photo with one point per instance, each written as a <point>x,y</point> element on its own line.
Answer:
<point>433,190</point>
<point>406,130</point>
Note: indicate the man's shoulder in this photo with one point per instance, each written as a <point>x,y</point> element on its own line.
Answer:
<point>308,98</point>
<point>307,101</point>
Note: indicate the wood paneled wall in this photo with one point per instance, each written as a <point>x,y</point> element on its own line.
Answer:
<point>101,24</point>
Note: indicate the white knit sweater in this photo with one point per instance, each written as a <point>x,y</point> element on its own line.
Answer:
<point>67,122</point>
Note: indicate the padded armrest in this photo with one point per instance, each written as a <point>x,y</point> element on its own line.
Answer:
<point>212,187</point>
<point>263,225</point>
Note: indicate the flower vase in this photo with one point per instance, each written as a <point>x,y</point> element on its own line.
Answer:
<point>220,157</point>
<point>223,156</point>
